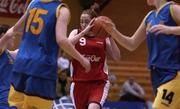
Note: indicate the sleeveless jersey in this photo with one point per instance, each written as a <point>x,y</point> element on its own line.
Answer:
<point>38,51</point>
<point>164,50</point>
<point>94,50</point>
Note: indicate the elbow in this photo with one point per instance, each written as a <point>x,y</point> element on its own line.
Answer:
<point>132,49</point>
<point>129,45</point>
<point>62,41</point>
<point>116,57</point>
<point>59,41</point>
<point>132,44</point>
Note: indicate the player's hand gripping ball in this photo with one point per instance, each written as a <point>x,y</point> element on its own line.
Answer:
<point>98,29</point>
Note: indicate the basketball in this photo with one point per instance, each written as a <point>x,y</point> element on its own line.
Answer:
<point>97,29</point>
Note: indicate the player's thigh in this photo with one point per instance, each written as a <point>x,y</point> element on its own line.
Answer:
<point>79,94</point>
<point>99,92</point>
<point>168,95</point>
<point>15,98</point>
<point>34,102</point>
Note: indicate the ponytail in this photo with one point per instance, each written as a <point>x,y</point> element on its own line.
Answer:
<point>92,12</point>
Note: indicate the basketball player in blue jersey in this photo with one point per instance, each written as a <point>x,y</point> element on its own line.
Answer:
<point>35,69</point>
<point>6,61</point>
<point>161,28</point>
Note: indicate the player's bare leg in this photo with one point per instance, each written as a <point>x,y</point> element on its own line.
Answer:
<point>94,106</point>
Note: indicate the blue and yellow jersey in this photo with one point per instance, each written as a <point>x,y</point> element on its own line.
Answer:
<point>6,62</point>
<point>38,51</point>
<point>164,50</point>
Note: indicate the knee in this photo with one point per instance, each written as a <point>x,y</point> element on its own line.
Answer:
<point>94,106</point>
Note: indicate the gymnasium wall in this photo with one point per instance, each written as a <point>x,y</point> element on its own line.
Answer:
<point>127,15</point>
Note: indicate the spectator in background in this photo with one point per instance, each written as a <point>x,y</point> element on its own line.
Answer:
<point>112,79</point>
<point>64,62</point>
<point>63,100</point>
<point>114,88</point>
<point>132,91</point>
<point>63,83</point>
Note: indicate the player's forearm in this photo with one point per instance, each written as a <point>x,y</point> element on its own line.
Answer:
<point>67,46</point>
<point>19,25</point>
<point>3,42</point>
<point>175,30</point>
<point>129,89</point>
<point>116,52</point>
<point>126,41</point>
<point>133,93</point>
<point>76,38</point>
<point>140,89</point>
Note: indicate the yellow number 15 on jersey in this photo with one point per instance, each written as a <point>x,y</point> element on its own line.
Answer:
<point>34,17</point>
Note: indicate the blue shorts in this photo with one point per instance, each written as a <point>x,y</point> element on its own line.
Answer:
<point>34,86</point>
<point>161,76</point>
<point>4,92</point>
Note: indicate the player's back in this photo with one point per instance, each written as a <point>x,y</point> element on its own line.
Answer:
<point>38,51</point>
<point>94,49</point>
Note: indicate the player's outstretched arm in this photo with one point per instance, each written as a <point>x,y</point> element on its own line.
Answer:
<point>9,35</point>
<point>62,40</point>
<point>158,29</point>
<point>130,43</point>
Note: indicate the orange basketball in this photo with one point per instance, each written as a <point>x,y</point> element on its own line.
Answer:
<point>97,29</point>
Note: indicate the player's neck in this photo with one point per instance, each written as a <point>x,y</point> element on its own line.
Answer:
<point>159,4</point>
